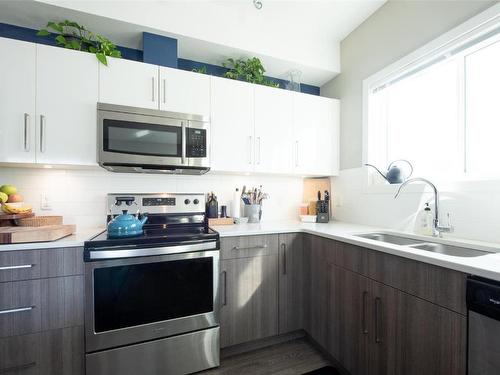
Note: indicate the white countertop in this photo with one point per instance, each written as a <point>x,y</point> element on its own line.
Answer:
<point>75,240</point>
<point>486,265</point>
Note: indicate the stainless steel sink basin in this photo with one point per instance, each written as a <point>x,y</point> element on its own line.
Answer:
<point>384,237</point>
<point>456,251</point>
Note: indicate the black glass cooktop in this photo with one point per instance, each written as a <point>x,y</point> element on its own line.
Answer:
<point>156,235</point>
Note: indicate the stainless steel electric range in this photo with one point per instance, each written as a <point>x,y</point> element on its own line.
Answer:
<point>151,300</point>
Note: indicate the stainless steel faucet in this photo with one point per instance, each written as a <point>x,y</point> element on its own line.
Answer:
<point>437,229</point>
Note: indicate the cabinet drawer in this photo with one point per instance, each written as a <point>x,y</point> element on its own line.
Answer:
<point>248,246</point>
<point>56,352</point>
<point>19,265</point>
<point>34,305</point>
<point>351,257</point>
<point>20,307</point>
<point>61,262</point>
<point>19,355</point>
<point>439,285</point>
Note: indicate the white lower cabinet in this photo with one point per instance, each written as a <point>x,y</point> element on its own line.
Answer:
<point>17,101</point>
<point>66,99</point>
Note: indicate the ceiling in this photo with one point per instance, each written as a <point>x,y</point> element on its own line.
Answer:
<point>287,35</point>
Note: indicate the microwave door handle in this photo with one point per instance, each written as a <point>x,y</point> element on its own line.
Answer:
<point>184,142</point>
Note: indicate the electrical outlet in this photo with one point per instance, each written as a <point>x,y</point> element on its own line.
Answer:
<point>45,202</point>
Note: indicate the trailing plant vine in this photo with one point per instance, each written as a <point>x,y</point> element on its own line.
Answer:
<point>250,70</point>
<point>71,35</point>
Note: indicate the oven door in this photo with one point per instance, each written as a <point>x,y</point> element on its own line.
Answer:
<point>138,299</point>
<point>130,138</point>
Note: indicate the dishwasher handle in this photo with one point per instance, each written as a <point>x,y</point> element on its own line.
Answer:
<point>483,296</point>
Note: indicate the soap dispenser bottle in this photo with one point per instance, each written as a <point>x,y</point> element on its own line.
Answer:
<point>424,221</point>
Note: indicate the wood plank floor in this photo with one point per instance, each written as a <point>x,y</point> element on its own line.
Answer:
<point>289,358</point>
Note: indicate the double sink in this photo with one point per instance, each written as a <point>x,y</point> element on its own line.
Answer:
<point>434,247</point>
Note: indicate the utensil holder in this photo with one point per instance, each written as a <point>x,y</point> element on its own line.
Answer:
<point>253,212</point>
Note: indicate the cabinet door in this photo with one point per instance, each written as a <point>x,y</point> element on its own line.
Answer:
<point>432,339</point>
<point>306,118</point>
<point>131,83</point>
<point>183,91</point>
<point>383,312</point>
<point>273,130</point>
<point>232,125</point>
<point>17,101</point>
<point>291,282</point>
<point>249,299</point>
<point>66,99</point>
<point>327,161</point>
<point>319,252</point>
<point>349,320</point>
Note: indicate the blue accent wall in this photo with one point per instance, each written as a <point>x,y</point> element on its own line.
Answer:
<point>158,50</point>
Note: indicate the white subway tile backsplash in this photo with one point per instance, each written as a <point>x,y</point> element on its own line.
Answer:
<point>79,195</point>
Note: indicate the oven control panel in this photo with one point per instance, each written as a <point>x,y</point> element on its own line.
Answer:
<point>156,203</point>
<point>196,145</point>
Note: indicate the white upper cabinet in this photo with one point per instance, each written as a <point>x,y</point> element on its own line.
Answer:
<point>315,129</point>
<point>66,97</point>
<point>273,130</point>
<point>17,101</point>
<point>328,137</point>
<point>232,125</point>
<point>129,83</point>
<point>184,91</point>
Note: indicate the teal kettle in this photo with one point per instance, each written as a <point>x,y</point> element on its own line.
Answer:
<point>126,225</point>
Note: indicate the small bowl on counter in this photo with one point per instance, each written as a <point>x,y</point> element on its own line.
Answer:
<point>241,220</point>
<point>308,218</point>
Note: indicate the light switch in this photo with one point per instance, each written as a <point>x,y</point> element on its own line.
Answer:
<point>45,202</point>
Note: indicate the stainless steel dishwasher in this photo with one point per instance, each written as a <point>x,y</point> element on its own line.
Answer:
<point>483,304</point>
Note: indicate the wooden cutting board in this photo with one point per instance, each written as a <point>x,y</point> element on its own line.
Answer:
<point>35,234</point>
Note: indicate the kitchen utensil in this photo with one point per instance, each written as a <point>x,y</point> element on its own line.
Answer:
<point>126,225</point>
<point>35,234</point>
<point>396,173</point>
<point>8,220</point>
<point>322,208</point>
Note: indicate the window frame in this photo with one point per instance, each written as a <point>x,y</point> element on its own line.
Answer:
<point>474,28</point>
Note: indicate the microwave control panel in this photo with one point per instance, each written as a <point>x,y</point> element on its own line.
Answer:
<point>196,145</point>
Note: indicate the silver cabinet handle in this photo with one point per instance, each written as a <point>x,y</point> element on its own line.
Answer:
<point>365,300</point>
<point>17,368</point>
<point>250,248</point>
<point>164,91</point>
<point>153,88</point>
<point>19,309</point>
<point>224,282</point>
<point>42,132</point>
<point>296,153</point>
<point>6,268</point>
<point>249,149</point>
<point>184,141</point>
<point>378,323</point>
<point>258,157</point>
<point>26,132</point>
<point>283,246</point>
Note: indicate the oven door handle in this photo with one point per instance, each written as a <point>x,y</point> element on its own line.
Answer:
<point>109,253</point>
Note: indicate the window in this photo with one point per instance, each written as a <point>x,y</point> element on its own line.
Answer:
<point>442,113</point>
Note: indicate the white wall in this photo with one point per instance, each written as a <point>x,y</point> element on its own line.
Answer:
<point>79,195</point>
<point>361,196</point>
<point>393,31</point>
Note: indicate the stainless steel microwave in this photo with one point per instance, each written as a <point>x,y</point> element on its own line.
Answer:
<point>143,140</point>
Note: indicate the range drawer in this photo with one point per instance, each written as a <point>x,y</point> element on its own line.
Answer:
<point>34,305</point>
<point>248,246</point>
<point>56,352</point>
<point>36,264</point>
